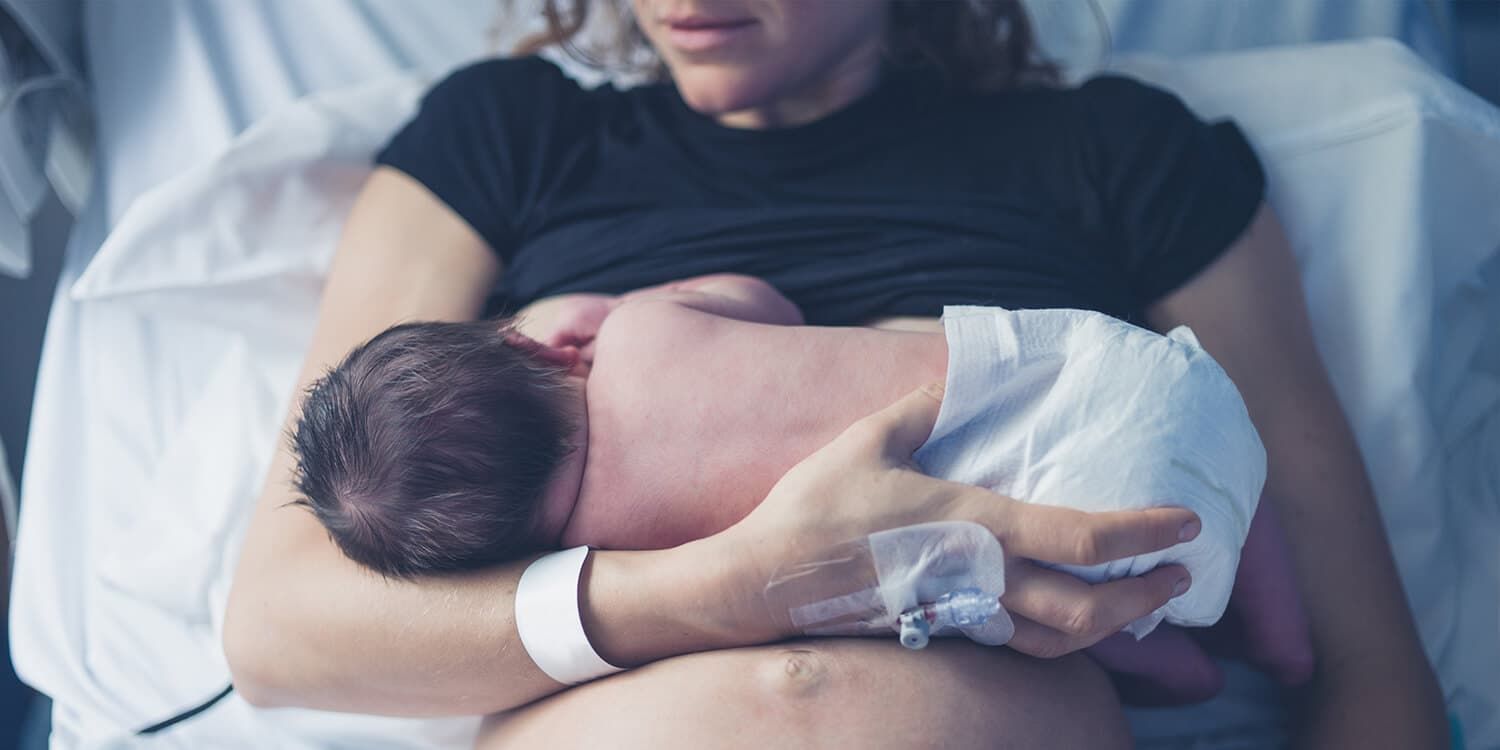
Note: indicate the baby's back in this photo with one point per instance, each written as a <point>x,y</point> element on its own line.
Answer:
<point>694,417</point>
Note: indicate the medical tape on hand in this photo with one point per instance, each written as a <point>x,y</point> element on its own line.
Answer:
<point>864,587</point>
<point>827,610</point>
<point>549,622</point>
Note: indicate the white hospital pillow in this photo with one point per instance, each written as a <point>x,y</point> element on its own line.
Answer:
<point>270,206</point>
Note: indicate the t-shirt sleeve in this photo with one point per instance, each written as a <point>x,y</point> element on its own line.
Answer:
<point>477,142</point>
<point>1173,192</point>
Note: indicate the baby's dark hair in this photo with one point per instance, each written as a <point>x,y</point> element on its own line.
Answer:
<point>429,448</point>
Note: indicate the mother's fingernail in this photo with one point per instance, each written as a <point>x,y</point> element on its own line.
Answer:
<point>1189,530</point>
<point>1183,584</point>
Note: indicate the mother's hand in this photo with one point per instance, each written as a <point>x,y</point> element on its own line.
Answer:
<point>865,481</point>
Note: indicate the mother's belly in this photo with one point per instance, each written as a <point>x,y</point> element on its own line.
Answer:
<point>907,323</point>
<point>830,693</point>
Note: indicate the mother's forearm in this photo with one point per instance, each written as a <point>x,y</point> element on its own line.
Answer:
<point>306,627</point>
<point>309,629</point>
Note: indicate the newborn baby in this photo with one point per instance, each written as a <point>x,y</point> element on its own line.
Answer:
<point>666,415</point>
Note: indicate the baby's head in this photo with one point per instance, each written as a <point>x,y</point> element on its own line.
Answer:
<point>430,447</point>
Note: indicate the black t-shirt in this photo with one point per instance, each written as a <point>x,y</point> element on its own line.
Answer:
<point>1102,197</point>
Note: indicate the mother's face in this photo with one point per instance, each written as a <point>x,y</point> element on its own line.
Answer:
<point>732,55</point>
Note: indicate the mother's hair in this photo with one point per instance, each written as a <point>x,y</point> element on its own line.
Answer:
<point>975,45</point>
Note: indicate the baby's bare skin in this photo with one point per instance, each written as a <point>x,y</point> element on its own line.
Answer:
<point>685,405</point>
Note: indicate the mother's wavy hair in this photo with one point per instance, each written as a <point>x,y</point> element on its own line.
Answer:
<point>975,45</point>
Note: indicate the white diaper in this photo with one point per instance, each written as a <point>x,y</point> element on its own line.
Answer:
<point>1080,410</point>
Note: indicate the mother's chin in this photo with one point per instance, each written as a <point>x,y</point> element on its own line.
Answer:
<point>830,693</point>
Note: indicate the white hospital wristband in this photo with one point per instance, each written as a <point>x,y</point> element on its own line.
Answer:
<point>549,622</point>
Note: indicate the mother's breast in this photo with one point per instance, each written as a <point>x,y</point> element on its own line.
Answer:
<point>911,323</point>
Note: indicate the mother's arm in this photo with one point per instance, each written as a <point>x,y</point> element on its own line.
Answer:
<point>1372,686</point>
<point>307,627</point>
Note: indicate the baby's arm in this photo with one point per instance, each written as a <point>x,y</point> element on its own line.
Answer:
<point>727,295</point>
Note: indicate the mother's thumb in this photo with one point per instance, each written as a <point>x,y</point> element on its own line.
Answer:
<point>901,428</point>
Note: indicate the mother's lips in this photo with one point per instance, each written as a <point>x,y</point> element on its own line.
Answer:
<point>701,22</point>
<point>698,34</point>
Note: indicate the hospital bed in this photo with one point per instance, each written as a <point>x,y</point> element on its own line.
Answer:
<point>192,278</point>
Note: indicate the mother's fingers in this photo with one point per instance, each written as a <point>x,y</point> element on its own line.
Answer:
<point>1079,614</point>
<point>898,430</point>
<point>1038,640</point>
<point>1075,537</point>
<point>1040,532</point>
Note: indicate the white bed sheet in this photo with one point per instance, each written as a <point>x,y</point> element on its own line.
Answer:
<point>175,81</point>
<point>120,577</point>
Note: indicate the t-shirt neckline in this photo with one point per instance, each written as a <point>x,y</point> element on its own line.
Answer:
<point>891,96</point>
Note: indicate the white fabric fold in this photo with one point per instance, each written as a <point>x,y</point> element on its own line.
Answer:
<point>1080,410</point>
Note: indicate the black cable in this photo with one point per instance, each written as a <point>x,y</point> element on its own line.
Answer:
<point>188,714</point>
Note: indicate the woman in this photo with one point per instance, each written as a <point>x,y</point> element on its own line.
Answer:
<point>874,160</point>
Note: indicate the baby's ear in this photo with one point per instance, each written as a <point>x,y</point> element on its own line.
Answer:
<point>562,356</point>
